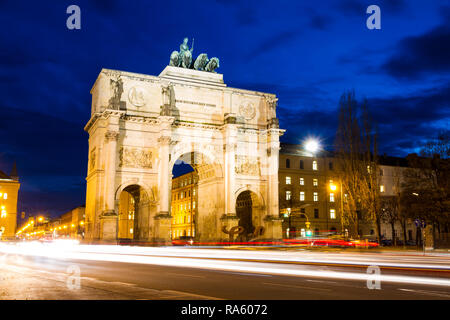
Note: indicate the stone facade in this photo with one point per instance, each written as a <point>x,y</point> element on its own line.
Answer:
<point>305,192</point>
<point>184,205</point>
<point>140,125</point>
<point>298,174</point>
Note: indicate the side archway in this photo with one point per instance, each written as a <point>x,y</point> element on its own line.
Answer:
<point>133,213</point>
<point>249,207</point>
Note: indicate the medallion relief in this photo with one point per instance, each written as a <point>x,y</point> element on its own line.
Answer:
<point>136,96</point>
<point>247,110</point>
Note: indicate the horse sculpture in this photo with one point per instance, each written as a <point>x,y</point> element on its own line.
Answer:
<point>212,65</point>
<point>183,59</point>
<point>201,62</point>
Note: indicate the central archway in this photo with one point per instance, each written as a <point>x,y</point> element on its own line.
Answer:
<point>195,198</point>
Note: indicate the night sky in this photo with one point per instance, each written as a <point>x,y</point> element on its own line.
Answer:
<point>306,52</point>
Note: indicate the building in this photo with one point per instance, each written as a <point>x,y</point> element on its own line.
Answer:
<point>69,225</point>
<point>9,188</point>
<point>184,205</point>
<point>141,125</point>
<point>309,192</point>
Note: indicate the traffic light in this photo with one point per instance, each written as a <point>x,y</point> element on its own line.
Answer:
<point>308,231</point>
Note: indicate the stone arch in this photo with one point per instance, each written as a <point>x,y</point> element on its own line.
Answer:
<point>185,148</point>
<point>147,189</point>
<point>209,205</point>
<point>249,206</point>
<point>133,208</point>
<point>260,198</point>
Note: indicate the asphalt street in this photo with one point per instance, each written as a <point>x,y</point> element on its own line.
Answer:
<point>110,272</point>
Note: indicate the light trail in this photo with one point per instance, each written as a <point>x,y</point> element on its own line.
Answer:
<point>195,258</point>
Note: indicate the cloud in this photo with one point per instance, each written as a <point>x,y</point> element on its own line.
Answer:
<point>405,121</point>
<point>418,56</point>
<point>273,42</point>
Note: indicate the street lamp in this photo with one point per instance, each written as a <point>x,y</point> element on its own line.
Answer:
<point>333,187</point>
<point>312,145</point>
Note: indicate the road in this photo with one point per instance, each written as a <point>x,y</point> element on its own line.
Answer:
<point>35,271</point>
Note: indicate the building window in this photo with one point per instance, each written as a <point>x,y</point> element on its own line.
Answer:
<point>5,196</point>
<point>302,166</point>
<point>381,188</point>
<point>302,196</point>
<point>330,165</point>
<point>316,196</point>
<point>332,214</point>
<point>302,210</point>
<point>288,163</point>
<point>315,182</point>
<point>288,180</point>
<point>288,195</point>
<point>316,213</point>
<point>193,192</point>
<point>302,181</point>
<point>193,205</point>
<point>314,165</point>
<point>182,194</point>
<point>381,172</point>
<point>331,197</point>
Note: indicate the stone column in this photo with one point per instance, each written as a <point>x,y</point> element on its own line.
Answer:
<point>163,218</point>
<point>108,218</point>
<point>272,221</point>
<point>229,219</point>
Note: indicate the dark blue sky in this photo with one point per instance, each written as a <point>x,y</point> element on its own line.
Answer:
<point>307,52</point>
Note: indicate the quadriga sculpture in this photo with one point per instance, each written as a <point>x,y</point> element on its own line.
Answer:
<point>183,59</point>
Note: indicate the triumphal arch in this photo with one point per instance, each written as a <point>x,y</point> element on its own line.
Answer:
<point>141,125</point>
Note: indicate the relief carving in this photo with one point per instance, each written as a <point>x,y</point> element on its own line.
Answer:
<point>136,96</point>
<point>92,162</point>
<point>247,165</point>
<point>135,158</point>
<point>116,87</point>
<point>247,110</point>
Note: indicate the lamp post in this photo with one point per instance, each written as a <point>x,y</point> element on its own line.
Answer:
<point>333,187</point>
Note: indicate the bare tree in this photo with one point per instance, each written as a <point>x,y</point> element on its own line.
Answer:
<point>357,165</point>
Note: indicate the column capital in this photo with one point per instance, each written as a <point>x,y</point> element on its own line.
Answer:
<point>111,135</point>
<point>165,140</point>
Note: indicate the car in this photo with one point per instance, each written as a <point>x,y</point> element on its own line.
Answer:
<point>183,241</point>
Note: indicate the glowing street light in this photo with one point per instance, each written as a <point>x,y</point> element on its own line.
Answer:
<point>312,145</point>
